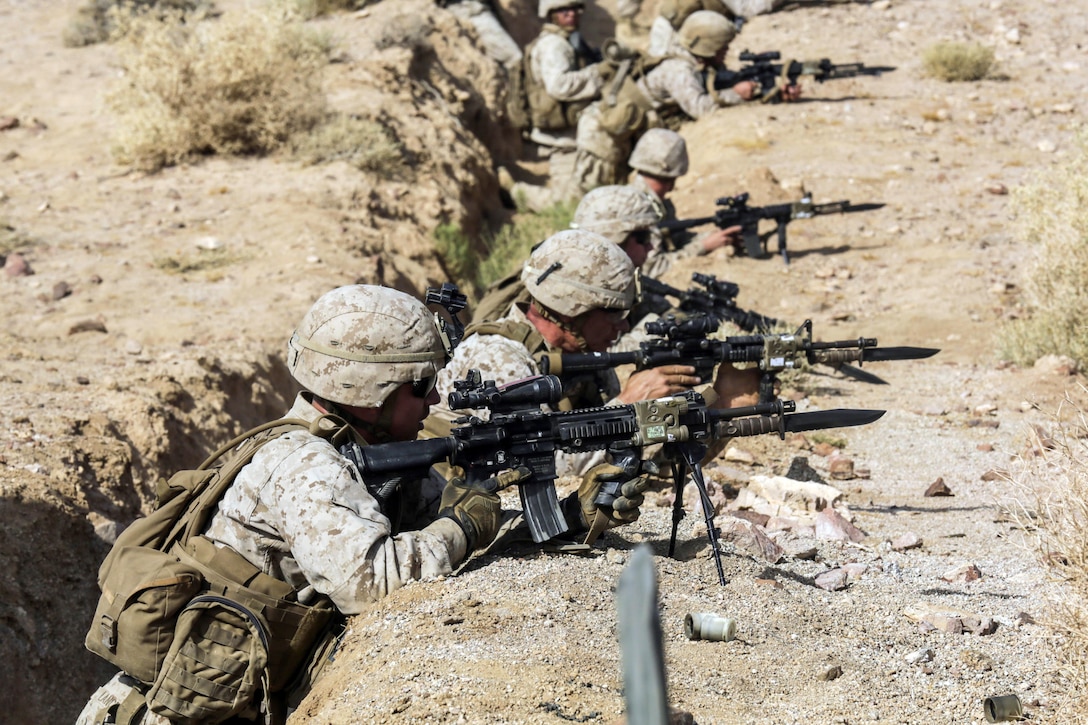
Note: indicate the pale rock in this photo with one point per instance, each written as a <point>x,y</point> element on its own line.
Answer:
<point>855,570</point>
<point>882,5</point>
<point>832,580</point>
<point>996,474</point>
<point>1013,36</point>
<point>920,655</point>
<point>210,244</point>
<point>1056,365</point>
<point>1062,108</point>
<point>906,542</point>
<point>831,525</point>
<point>938,488</point>
<point>962,573</point>
<point>16,266</point>
<point>986,409</point>
<point>133,347</point>
<point>739,455</point>
<point>1046,146</point>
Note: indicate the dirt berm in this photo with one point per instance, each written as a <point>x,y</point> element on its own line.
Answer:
<point>118,370</point>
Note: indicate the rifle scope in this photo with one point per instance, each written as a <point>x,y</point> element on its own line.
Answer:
<point>750,57</point>
<point>716,287</point>
<point>672,328</point>
<point>518,395</point>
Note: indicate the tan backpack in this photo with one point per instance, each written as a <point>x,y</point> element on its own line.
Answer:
<point>200,625</point>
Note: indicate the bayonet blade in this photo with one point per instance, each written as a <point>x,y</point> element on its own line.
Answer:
<point>835,418</point>
<point>858,374</point>
<point>882,354</point>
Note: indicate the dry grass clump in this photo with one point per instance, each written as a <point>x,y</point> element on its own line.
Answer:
<point>210,261</point>
<point>243,84</point>
<point>1052,503</point>
<point>507,248</point>
<point>365,144</point>
<point>99,20</point>
<point>1053,217</point>
<point>958,61</point>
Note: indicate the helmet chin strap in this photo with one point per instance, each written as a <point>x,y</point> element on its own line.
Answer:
<point>380,430</point>
<point>563,324</point>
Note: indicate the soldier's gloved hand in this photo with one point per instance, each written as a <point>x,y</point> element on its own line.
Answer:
<point>610,495</point>
<point>476,507</point>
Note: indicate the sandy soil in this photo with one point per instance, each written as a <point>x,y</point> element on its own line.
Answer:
<point>91,419</point>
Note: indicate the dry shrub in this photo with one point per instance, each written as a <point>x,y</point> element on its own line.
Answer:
<point>98,20</point>
<point>243,84</point>
<point>1052,215</point>
<point>209,261</point>
<point>365,144</point>
<point>1051,503</point>
<point>958,61</point>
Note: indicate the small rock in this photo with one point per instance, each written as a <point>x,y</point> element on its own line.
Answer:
<point>906,542</point>
<point>921,655</point>
<point>95,279</point>
<point>87,326</point>
<point>1056,365</point>
<point>938,488</point>
<point>750,539</point>
<point>984,447</point>
<point>313,259</point>
<point>771,583</point>
<point>986,409</point>
<point>882,5</point>
<point>823,449</point>
<point>980,627</point>
<point>133,347</point>
<point>841,468</point>
<point>997,189</point>
<point>751,516</point>
<point>801,550</point>
<point>1023,618</point>
<point>8,122</point>
<point>996,474</point>
<point>800,470</point>
<point>935,411</point>
<point>1046,146</point>
<point>832,580</point>
<point>82,380</point>
<point>209,243</point>
<point>739,455</point>
<point>976,660</point>
<point>862,472</point>
<point>453,620</point>
<point>833,672</point>
<point>1062,108</point>
<point>962,573</point>
<point>855,570</point>
<point>61,290</point>
<point>946,623</point>
<point>830,524</point>
<point>17,266</point>
<point>614,556</point>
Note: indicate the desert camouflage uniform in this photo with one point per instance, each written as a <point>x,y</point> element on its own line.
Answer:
<point>664,255</point>
<point>662,31</point>
<point>553,64</point>
<point>504,361</point>
<point>677,82</point>
<point>496,41</point>
<point>300,513</point>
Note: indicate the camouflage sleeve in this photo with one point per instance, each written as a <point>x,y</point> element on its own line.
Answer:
<point>553,63</point>
<point>750,8</point>
<point>336,534</point>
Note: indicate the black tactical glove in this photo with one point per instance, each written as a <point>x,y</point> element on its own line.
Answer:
<point>476,507</point>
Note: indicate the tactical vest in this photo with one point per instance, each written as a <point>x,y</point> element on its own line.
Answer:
<point>203,629</point>
<point>546,112</point>
<point>500,297</point>
<point>625,111</point>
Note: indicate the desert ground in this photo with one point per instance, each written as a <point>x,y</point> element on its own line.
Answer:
<point>119,369</point>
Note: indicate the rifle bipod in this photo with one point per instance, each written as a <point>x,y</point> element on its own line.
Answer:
<point>693,453</point>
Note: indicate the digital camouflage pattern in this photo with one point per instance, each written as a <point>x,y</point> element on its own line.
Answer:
<point>358,343</point>
<point>660,152</point>
<point>558,75</point>
<point>575,271</point>
<point>301,513</point>
<point>616,211</point>
<point>677,83</point>
<point>706,32</point>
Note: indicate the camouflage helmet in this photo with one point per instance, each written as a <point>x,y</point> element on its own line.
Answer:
<point>546,7</point>
<point>358,343</point>
<point>616,211</point>
<point>660,152</point>
<point>575,271</point>
<point>706,32</point>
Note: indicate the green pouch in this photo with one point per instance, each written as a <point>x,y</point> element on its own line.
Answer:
<point>216,665</point>
<point>142,592</point>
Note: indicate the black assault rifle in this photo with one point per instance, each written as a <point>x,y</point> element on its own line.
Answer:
<point>712,297</point>
<point>519,434</point>
<point>734,211</point>
<point>686,342</point>
<point>765,72</point>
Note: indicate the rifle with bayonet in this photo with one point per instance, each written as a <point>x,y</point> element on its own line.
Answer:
<point>687,342</point>
<point>519,434</point>
<point>765,72</point>
<point>734,211</point>
<point>713,298</point>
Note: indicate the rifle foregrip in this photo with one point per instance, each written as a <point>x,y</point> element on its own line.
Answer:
<point>744,427</point>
